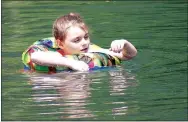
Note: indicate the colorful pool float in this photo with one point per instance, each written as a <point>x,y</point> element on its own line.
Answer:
<point>95,60</point>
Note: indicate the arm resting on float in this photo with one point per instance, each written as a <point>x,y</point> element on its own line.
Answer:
<point>50,58</point>
<point>127,51</point>
<point>55,59</point>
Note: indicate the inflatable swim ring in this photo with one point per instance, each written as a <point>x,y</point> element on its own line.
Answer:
<point>95,60</point>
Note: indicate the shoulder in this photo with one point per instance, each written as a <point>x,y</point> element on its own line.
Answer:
<point>48,42</point>
<point>45,44</point>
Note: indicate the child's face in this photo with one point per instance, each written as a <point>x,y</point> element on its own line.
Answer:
<point>76,41</point>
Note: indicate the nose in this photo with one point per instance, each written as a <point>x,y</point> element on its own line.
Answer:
<point>85,42</point>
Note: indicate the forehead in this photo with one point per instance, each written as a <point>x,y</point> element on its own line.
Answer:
<point>75,31</point>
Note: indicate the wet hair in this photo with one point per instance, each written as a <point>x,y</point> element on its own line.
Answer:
<point>62,24</point>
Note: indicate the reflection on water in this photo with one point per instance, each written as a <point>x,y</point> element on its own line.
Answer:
<point>118,82</point>
<point>71,92</point>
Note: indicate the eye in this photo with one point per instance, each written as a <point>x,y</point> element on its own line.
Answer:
<point>77,40</point>
<point>86,36</point>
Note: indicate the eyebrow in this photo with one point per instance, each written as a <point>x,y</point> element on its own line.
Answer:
<point>79,36</point>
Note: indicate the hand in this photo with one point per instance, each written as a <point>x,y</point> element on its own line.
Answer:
<point>124,48</point>
<point>79,65</point>
<point>117,45</point>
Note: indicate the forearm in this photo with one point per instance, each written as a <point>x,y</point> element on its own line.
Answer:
<point>124,51</point>
<point>50,59</point>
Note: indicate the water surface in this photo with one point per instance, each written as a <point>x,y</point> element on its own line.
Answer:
<point>152,86</point>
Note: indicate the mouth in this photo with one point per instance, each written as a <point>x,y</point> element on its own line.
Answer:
<point>84,50</point>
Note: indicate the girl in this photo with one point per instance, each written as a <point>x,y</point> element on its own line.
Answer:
<point>71,36</point>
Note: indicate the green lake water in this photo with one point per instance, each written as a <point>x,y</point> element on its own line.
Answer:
<point>152,86</point>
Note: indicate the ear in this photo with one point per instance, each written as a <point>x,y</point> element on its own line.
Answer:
<point>60,44</point>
